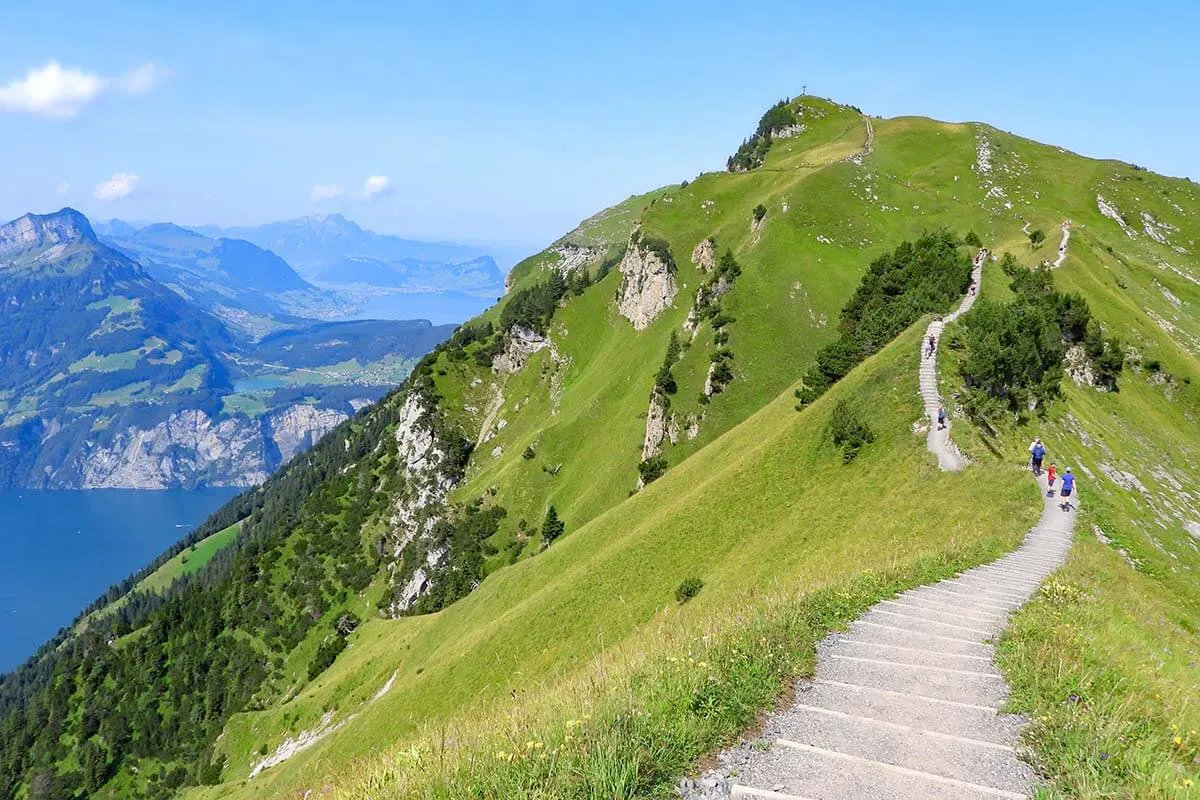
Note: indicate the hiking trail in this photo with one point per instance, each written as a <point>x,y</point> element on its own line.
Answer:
<point>906,703</point>
<point>938,441</point>
<point>1062,247</point>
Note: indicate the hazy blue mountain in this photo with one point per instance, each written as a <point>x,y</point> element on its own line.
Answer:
<point>243,284</point>
<point>319,246</point>
<point>108,378</point>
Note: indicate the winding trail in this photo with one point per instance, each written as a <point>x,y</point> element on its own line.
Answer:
<point>1062,247</point>
<point>938,440</point>
<point>906,703</point>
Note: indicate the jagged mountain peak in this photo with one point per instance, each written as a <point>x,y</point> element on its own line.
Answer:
<point>39,231</point>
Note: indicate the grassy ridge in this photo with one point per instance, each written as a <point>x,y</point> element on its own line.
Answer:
<point>605,592</point>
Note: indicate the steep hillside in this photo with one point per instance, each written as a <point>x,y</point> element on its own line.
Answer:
<point>604,524</point>
<point>111,379</point>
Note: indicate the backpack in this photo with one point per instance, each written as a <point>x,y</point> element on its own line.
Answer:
<point>1039,451</point>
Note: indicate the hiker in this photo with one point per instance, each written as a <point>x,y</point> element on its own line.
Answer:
<point>1068,488</point>
<point>941,417</point>
<point>932,346</point>
<point>1050,475</point>
<point>1037,451</point>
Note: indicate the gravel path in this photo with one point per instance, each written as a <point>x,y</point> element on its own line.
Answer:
<point>938,440</point>
<point>906,703</point>
<point>1062,247</point>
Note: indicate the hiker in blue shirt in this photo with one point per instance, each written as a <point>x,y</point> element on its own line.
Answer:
<point>941,417</point>
<point>1037,451</point>
<point>1068,488</point>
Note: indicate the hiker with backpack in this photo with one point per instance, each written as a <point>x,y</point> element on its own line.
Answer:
<point>1068,489</point>
<point>1051,473</point>
<point>1037,451</point>
<point>941,417</point>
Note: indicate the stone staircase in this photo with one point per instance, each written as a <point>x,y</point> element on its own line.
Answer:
<point>906,704</point>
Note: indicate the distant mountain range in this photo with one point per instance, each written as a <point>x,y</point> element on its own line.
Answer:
<point>333,251</point>
<point>131,359</point>
<point>250,288</point>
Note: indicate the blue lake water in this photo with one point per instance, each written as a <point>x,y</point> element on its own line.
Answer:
<point>60,550</point>
<point>440,308</point>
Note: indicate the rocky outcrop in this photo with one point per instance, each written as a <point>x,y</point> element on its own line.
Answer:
<point>299,427</point>
<point>522,343</point>
<point>39,231</point>
<point>656,427</point>
<point>572,257</point>
<point>191,448</point>
<point>184,450</point>
<point>648,285</point>
<point>422,501</point>
<point>704,255</point>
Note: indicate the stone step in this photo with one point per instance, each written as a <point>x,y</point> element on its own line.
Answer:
<point>959,598</point>
<point>973,687</point>
<point>920,624</point>
<point>900,745</point>
<point>905,654</point>
<point>798,770</point>
<point>887,705</point>
<point>946,614</point>
<point>884,633</point>
<point>961,610</point>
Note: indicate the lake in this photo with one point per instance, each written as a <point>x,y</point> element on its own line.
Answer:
<point>440,308</point>
<point>60,550</point>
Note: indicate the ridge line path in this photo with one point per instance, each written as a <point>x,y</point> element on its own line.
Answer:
<point>1062,247</point>
<point>938,440</point>
<point>906,704</point>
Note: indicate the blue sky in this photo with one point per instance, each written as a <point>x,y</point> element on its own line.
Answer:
<point>483,122</point>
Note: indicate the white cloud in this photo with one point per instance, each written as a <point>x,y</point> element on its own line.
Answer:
<point>51,91</point>
<point>116,187</point>
<point>62,92</point>
<point>377,186</point>
<point>325,191</point>
<point>62,188</point>
<point>144,78</point>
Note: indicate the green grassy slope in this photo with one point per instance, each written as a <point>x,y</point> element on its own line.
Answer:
<point>605,591</point>
<point>755,500</point>
<point>826,218</point>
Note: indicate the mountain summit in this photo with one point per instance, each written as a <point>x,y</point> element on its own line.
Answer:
<point>40,231</point>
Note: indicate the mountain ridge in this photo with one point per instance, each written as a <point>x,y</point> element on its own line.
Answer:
<point>686,443</point>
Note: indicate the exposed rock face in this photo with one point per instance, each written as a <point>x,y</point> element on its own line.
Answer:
<point>190,448</point>
<point>423,498</point>
<point>656,428</point>
<point>522,343</point>
<point>299,427</point>
<point>1078,366</point>
<point>1112,212</point>
<point>795,129</point>
<point>648,284</point>
<point>573,256</point>
<point>40,231</point>
<point>184,449</point>
<point>704,255</point>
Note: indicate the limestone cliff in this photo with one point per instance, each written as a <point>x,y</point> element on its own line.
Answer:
<point>648,285</point>
<point>190,448</point>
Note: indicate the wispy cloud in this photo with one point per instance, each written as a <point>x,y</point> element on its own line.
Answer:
<point>62,188</point>
<point>145,78</point>
<point>377,186</point>
<point>62,92</point>
<point>325,191</point>
<point>116,187</point>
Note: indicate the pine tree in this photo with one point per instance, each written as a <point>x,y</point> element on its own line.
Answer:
<point>552,526</point>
